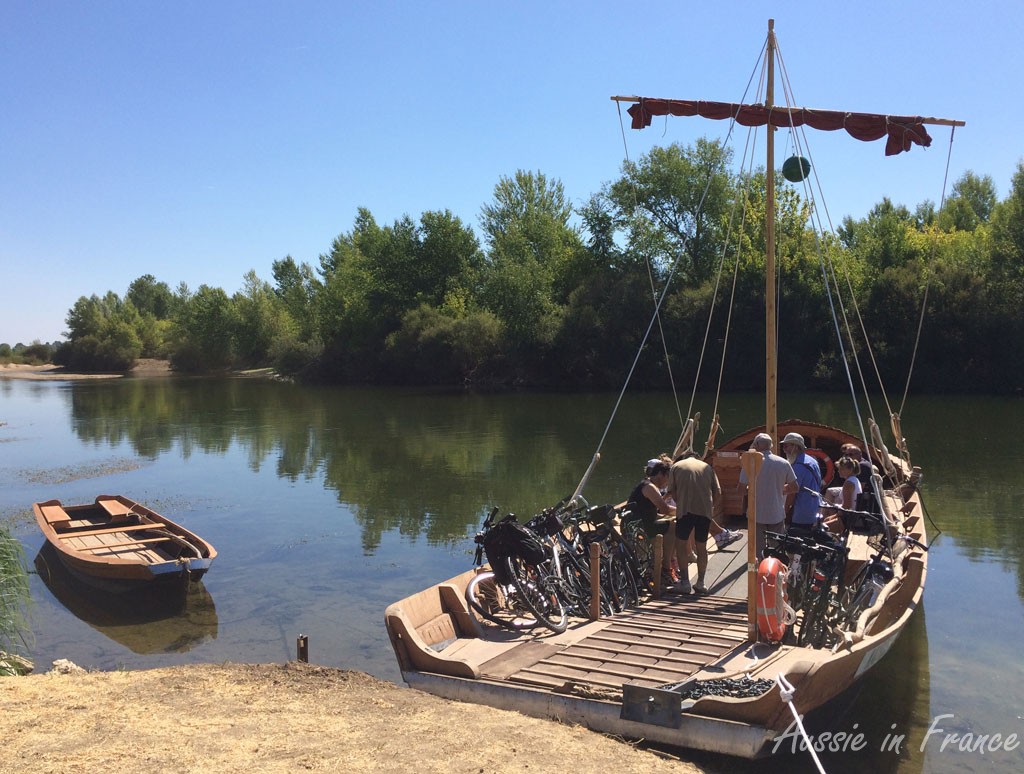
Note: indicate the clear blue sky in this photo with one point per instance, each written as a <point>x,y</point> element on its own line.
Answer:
<point>195,141</point>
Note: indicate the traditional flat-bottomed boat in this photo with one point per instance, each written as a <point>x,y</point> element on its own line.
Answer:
<point>116,542</point>
<point>696,671</point>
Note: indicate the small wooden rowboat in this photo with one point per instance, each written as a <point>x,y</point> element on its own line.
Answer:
<point>119,541</point>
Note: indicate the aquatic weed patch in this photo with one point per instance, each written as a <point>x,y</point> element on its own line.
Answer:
<point>71,473</point>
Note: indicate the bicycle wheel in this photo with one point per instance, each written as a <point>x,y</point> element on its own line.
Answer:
<point>639,543</point>
<point>621,582</point>
<point>498,604</point>
<point>576,566</point>
<point>812,629</point>
<point>539,592</point>
<point>860,596</point>
<point>574,587</point>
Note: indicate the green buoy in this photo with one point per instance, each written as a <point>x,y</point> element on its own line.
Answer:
<point>796,168</point>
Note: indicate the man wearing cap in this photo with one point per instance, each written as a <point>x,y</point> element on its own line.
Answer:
<point>808,478</point>
<point>775,481</point>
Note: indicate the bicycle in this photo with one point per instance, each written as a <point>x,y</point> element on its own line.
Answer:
<point>863,591</point>
<point>521,589</point>
<point>817,563</point>
<point>621,573</point>
<point>639,543</point>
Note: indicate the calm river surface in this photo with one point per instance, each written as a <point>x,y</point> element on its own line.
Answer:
<point>328,504</point>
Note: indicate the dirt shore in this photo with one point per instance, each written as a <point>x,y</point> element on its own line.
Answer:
<point>50,372</point>
<point>276,718</point>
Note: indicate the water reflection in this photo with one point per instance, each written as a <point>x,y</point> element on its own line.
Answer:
<point>145,621</point>
<point>411,463</point>
<point>429,464</point>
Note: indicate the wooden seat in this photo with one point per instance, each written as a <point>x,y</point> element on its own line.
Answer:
<point>108,530</point>
<point>117,510</point>
<point>55,515</point>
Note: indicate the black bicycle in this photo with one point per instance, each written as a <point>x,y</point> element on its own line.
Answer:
<point>863,591</point>
<point>621,569</point>
<point>817,561</point>
<point>522,587</point>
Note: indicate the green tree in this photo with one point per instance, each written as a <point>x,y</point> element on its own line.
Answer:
<point>533,258</point>
<point>297,286</point>
<point>261,322</point>
<point>884,239</point>
<point>970,204</point>
<point>434,347</point>
<point>374,276</point>
<point>103,335</point>
<point>684,193</point>
<point>202,331</point>
<point>1008,232</point>
<point>151,297</point>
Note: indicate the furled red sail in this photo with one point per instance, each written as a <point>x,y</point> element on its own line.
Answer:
<point>902,131</point>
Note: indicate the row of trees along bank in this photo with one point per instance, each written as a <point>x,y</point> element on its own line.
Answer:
<point>558,297</point>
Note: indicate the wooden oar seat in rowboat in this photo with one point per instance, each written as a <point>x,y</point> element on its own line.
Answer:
<point>117,510</point>
<point>55,515</point>
<point>109,530</point>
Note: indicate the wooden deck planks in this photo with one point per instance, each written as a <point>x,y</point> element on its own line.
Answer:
<point>110,544</point>
<point>659,643</point>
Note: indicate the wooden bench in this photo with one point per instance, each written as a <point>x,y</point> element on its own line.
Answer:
<point>55,515</point>
<point>117,510</point>
<point>434,616</point>
<point>108,530</point>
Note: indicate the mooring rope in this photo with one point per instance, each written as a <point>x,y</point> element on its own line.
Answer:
<point>786,693</point>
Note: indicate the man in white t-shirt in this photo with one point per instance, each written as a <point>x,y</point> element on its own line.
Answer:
<point>775,481</point>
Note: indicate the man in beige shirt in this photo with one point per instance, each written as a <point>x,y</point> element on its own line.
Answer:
<point>696,491</point>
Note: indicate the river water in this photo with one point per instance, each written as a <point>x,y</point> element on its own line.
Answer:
<point>328,504</point>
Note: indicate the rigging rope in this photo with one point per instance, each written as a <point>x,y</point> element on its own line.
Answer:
<point>831,275</point>
<point>927,285</point>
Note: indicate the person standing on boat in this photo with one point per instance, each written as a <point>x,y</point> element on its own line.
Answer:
<point>696,491</point>
<point>654,511</point>
<point>804,514</point>
<point>775,481</point>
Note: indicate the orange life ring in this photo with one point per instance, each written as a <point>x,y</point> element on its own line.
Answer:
<point>773,611</point>
<point>825,465</point>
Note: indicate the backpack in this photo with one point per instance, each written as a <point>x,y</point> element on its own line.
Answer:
<point>509,538</point>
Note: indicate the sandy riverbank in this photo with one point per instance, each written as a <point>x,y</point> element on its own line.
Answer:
<point>50,372</point>
<point>276,718</point>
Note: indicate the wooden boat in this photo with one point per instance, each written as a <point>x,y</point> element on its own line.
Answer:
<point>116,541</point>
<point>632,674</point>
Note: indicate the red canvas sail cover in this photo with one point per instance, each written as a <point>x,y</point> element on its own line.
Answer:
<point>902,131</point>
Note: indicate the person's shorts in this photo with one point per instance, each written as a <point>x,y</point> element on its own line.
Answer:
<point>688,522</point>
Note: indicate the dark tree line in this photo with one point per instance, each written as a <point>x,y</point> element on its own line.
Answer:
<point>544,301</point>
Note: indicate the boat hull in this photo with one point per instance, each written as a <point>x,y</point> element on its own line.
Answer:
<point>117,544</point>
<point>623,675</point>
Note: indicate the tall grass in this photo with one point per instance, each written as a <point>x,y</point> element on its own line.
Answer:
<point>14,596</point>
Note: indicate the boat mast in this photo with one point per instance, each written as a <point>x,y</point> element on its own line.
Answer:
<point>771,335</point>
